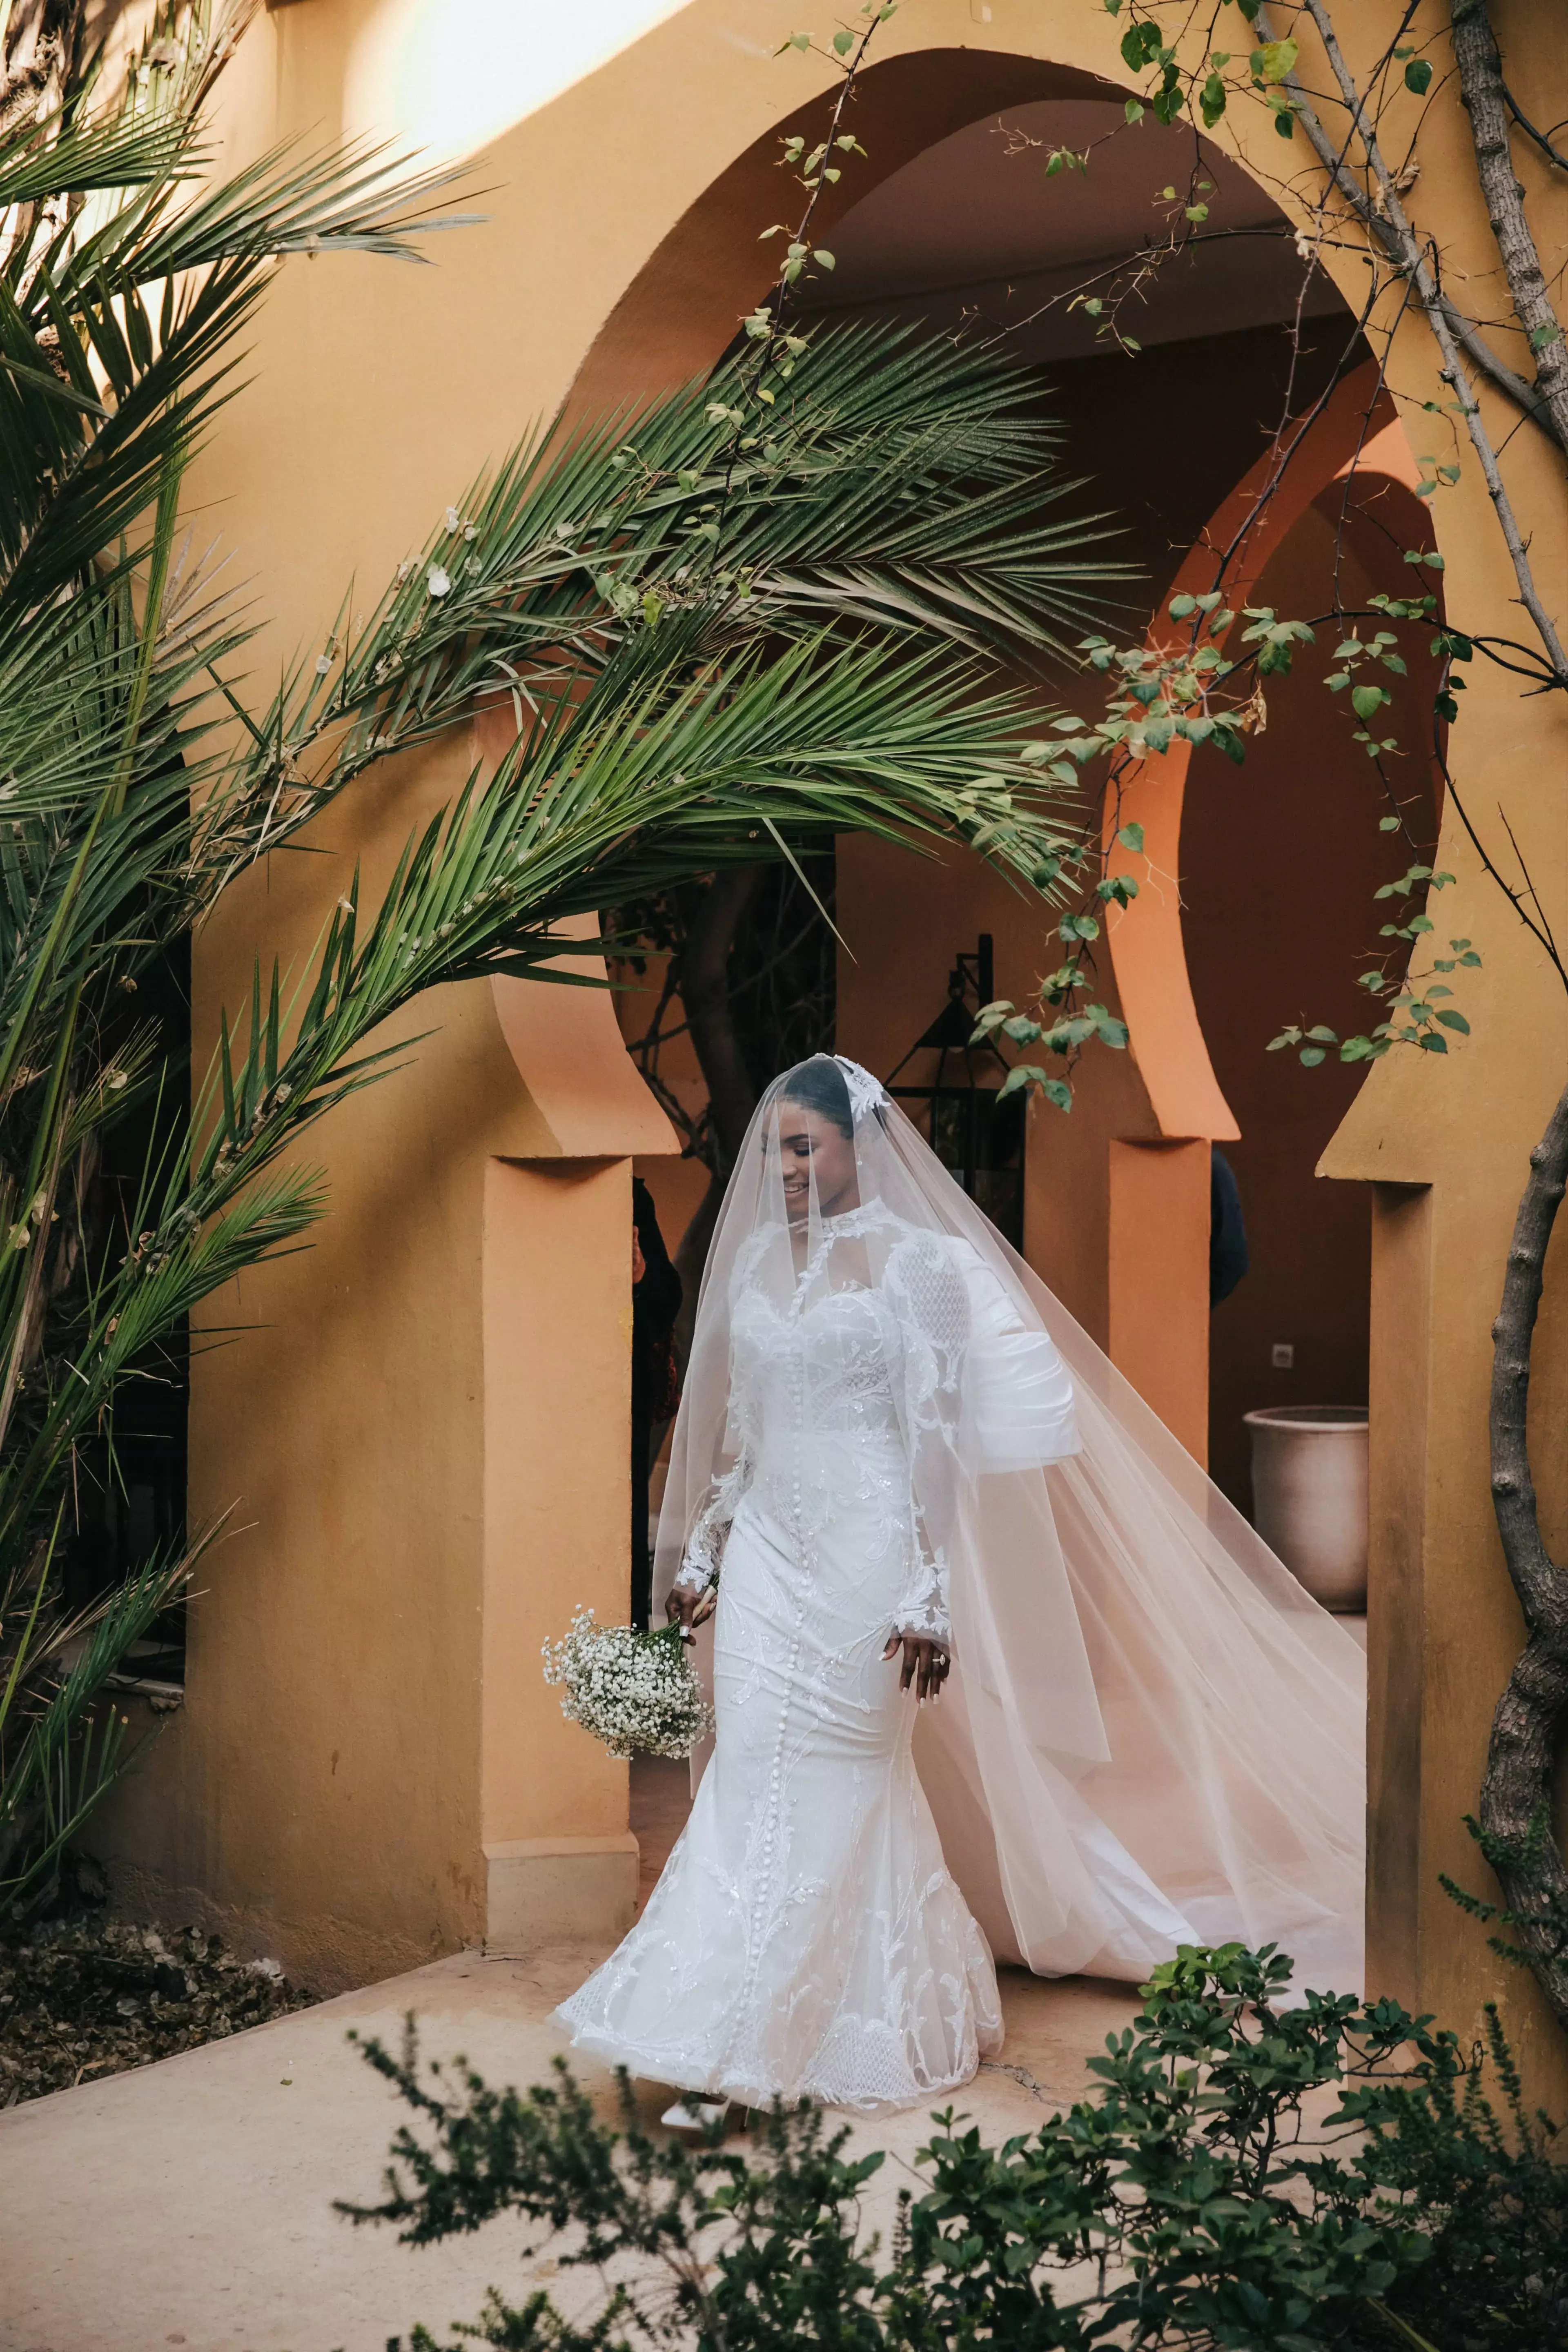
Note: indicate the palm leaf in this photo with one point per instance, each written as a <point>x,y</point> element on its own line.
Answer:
<point>720,645</point>
<point>70,1749</point>
<point>543,568</point>
<point>53,159</point>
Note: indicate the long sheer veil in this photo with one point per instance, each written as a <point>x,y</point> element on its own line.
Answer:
<point>1151,1735</point>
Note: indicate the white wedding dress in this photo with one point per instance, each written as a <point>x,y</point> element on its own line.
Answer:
<point>895,1427</point>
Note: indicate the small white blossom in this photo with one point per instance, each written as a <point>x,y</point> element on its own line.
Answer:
<point>635,1692</point>
<point>323,664</point>
<point>437,582</point>
<point>454,520</point>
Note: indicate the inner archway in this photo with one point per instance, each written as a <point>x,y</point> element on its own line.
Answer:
<point>964,230</point>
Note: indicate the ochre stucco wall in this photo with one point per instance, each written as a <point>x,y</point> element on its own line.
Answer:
<point>419,1426</point>
<point>1279,866</point>
<point>375,393</point>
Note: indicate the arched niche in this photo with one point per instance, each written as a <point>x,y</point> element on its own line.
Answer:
<point>681,311</point>
<point>683,308</point>
<point>1118,1224</point>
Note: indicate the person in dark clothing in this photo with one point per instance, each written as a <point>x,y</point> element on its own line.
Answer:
<point>1228,1259</point>
<point>655,1302</point>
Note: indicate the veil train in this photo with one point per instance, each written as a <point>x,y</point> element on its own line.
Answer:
<point>1151,1735</point>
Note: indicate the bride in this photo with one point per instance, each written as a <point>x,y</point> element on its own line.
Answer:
<point>902,1474</point>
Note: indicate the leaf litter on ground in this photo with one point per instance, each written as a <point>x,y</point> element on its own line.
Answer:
<point>84,1999</point>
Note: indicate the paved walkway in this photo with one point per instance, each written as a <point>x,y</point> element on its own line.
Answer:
<point>190,2203</point>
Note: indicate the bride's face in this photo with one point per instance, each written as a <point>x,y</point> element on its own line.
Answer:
<point>811,1147</point>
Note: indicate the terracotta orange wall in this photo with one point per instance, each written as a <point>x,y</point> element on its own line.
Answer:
<point>1280,860</point>
<point>556,1265</point>
<point>620,256</point>
<point>1159,1223</point>
<point>418,1425</point>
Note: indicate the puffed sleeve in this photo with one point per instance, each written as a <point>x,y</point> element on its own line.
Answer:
<point>1020,1399</point>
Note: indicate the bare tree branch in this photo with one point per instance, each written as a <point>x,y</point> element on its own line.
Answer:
<point>1386,220</point>
<point>1387,223</point>
<point>1542,139</point>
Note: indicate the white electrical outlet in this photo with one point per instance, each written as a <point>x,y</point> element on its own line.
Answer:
<point>1282,1355</point>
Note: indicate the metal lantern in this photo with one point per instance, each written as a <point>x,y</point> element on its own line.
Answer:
<point>977,1139</point>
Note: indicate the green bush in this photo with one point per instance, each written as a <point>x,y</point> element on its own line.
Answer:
<point>1242,2175</point>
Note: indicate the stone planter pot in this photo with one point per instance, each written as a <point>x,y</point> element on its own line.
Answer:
<point>1309,1494</point>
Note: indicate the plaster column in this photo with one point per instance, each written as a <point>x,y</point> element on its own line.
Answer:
<point>1159,1280</point>
<point>1400,1401</point>
<point>561,1865</point>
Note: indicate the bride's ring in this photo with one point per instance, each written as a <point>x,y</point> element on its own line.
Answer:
<point>940,1658</point>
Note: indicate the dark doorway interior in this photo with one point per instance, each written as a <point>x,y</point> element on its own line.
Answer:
<point>128,1488</point>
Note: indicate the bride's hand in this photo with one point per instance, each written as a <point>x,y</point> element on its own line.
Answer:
<point>925,1662</point>
<point>688,1609</point>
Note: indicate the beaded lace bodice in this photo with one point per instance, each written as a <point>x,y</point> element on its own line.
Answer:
<point>832,1394</point>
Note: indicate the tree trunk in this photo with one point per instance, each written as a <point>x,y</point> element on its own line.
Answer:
<point>732,1099</point>
<point>1532,1713</point>
<point>1486,100</point>
<point>38,50</point>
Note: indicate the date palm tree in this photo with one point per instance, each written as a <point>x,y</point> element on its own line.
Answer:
<point>720,645</point>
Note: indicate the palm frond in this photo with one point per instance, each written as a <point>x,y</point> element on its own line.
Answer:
<point>948,526</point>
<point>117,326</point>
<point>719,644</point>
<point>54,158</point>
<point>365,197</point>
<point>66,1748</point>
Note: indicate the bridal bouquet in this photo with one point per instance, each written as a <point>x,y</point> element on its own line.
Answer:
<point>637,1692</point>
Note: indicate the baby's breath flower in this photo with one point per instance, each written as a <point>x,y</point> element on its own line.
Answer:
<point>635,1692</point>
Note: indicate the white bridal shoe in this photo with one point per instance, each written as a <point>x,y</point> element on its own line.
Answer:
<point>695,2114</point>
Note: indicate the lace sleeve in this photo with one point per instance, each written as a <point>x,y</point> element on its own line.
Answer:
<point>711,1528</point>
<point>933,1310</point>
<point>924,1608</point>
